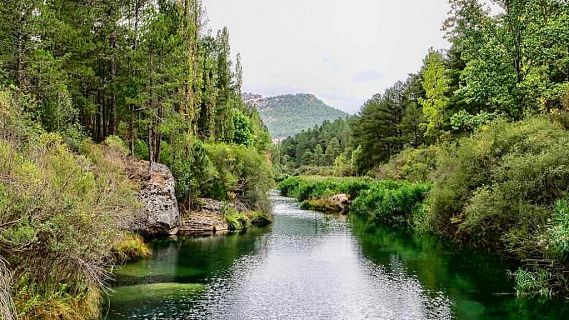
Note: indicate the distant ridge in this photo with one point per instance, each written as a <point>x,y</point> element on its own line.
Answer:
<point>287,115</point>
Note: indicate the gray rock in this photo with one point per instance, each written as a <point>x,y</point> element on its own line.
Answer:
<point>216,207</point>
<point>158,195</point>
<point>340,202</point>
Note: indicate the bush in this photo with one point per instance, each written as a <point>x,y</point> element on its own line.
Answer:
<point>56,228</point>
<point>385,201</point>
<point>532,283</point>
<point>311,187</point>
<point>498,187</point>
<point>239,174</point>
<point>558,230</point>
<point>130,247</point>
<point>388,203</point>
<point>414,165</point>
<point>190,166</point>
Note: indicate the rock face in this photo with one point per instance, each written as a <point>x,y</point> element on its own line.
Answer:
<point>207,217</point>
<point>340,202</point>
<point>158,195</point>
<point>202,222</point>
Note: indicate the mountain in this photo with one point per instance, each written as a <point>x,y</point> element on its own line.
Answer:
<point>289,114</point>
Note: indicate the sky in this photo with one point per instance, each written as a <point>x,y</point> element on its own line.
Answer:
<point>342,51</point>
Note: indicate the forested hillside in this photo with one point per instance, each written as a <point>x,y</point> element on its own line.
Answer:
<point>149,80</point>
<point>290,114</point>
<point>485,123</point>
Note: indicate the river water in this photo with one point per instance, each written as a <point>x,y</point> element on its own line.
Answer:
<point>308,265</point>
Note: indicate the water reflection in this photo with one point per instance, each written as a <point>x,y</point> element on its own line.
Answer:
<point>477,283</point>
<point>312,266</point>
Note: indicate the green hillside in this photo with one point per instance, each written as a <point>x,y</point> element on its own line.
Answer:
<point>289,114</point>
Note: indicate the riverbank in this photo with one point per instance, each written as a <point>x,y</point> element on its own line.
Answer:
<point>405,204</point>
<point>72,211</point>
<point>390,202</point>
<point>309,265</point>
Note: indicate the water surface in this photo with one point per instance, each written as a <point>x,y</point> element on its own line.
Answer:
<point>311,266</point>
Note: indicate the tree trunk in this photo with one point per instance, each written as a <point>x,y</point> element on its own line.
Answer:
<point>113,116</point>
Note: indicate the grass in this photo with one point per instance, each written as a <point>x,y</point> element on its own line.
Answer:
<point>131,248</point>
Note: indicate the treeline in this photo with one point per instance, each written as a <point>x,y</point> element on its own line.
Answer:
<point>486,123</point>
<point>508,64</point>
<point>314,149</point>
<point>147,71</point>
<point>85,87</point>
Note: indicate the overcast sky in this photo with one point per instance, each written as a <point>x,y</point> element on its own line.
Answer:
<point>343,51</point>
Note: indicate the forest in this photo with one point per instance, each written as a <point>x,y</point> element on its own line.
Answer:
<point>483,126</point>
<point>85,85</point>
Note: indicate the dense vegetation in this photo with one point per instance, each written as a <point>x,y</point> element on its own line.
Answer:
<point>486,122</point>
<point>58,235</point>
<point>84,87</point>
<point>315,150</point>
<point>394,203</point>
<point>289,114</point>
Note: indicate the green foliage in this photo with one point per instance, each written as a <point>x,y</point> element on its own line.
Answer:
<point>312,187</point>
<point>558,230</point>
<point>343,166</point>
<point>436,86</point>
<point>498,187</point>
<point>236,220</point>
<point>414,165</point>
<point>116,144</point>
<point>532,283</point>
<point>239,173</point>
<point>464,122</point>
<point>387,124</point>
<point>51,210</point>
<point>316,147</point>
<point>33,303</point>
<point>391,203</point>
<point>243,131</point>
<point>131,248</point>
<point>383,201</point>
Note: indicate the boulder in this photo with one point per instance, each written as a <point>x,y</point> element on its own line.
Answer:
<point>340,202</point>
<point>161,215</point>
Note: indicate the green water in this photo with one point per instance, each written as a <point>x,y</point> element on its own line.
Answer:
<point>311,266</point>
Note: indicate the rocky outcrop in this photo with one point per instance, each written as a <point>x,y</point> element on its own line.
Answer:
<point>161,215</point>
<point>202,222</point>
<point>206,217</point>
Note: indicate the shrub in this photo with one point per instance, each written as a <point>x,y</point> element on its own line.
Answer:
<point>385,201</point>
<point>240,174</point>
<point>130,247</point>
<point>498,187</point>
<point>116,144</point>
<point>236,220</point>
<point>190,166</point>
<point>558,230</point>
<point>60,213</point>
<point>310,187</point>
<point>414,165</point>
<point>532,283</point>
<point>389,203</point>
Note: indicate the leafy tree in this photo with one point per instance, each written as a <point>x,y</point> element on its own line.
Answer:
<point>436,85</point>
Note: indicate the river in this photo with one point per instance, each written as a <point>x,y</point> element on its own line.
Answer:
<point>308,265</point>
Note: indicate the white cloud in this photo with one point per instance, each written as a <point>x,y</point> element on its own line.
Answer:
<point>343,51</point>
